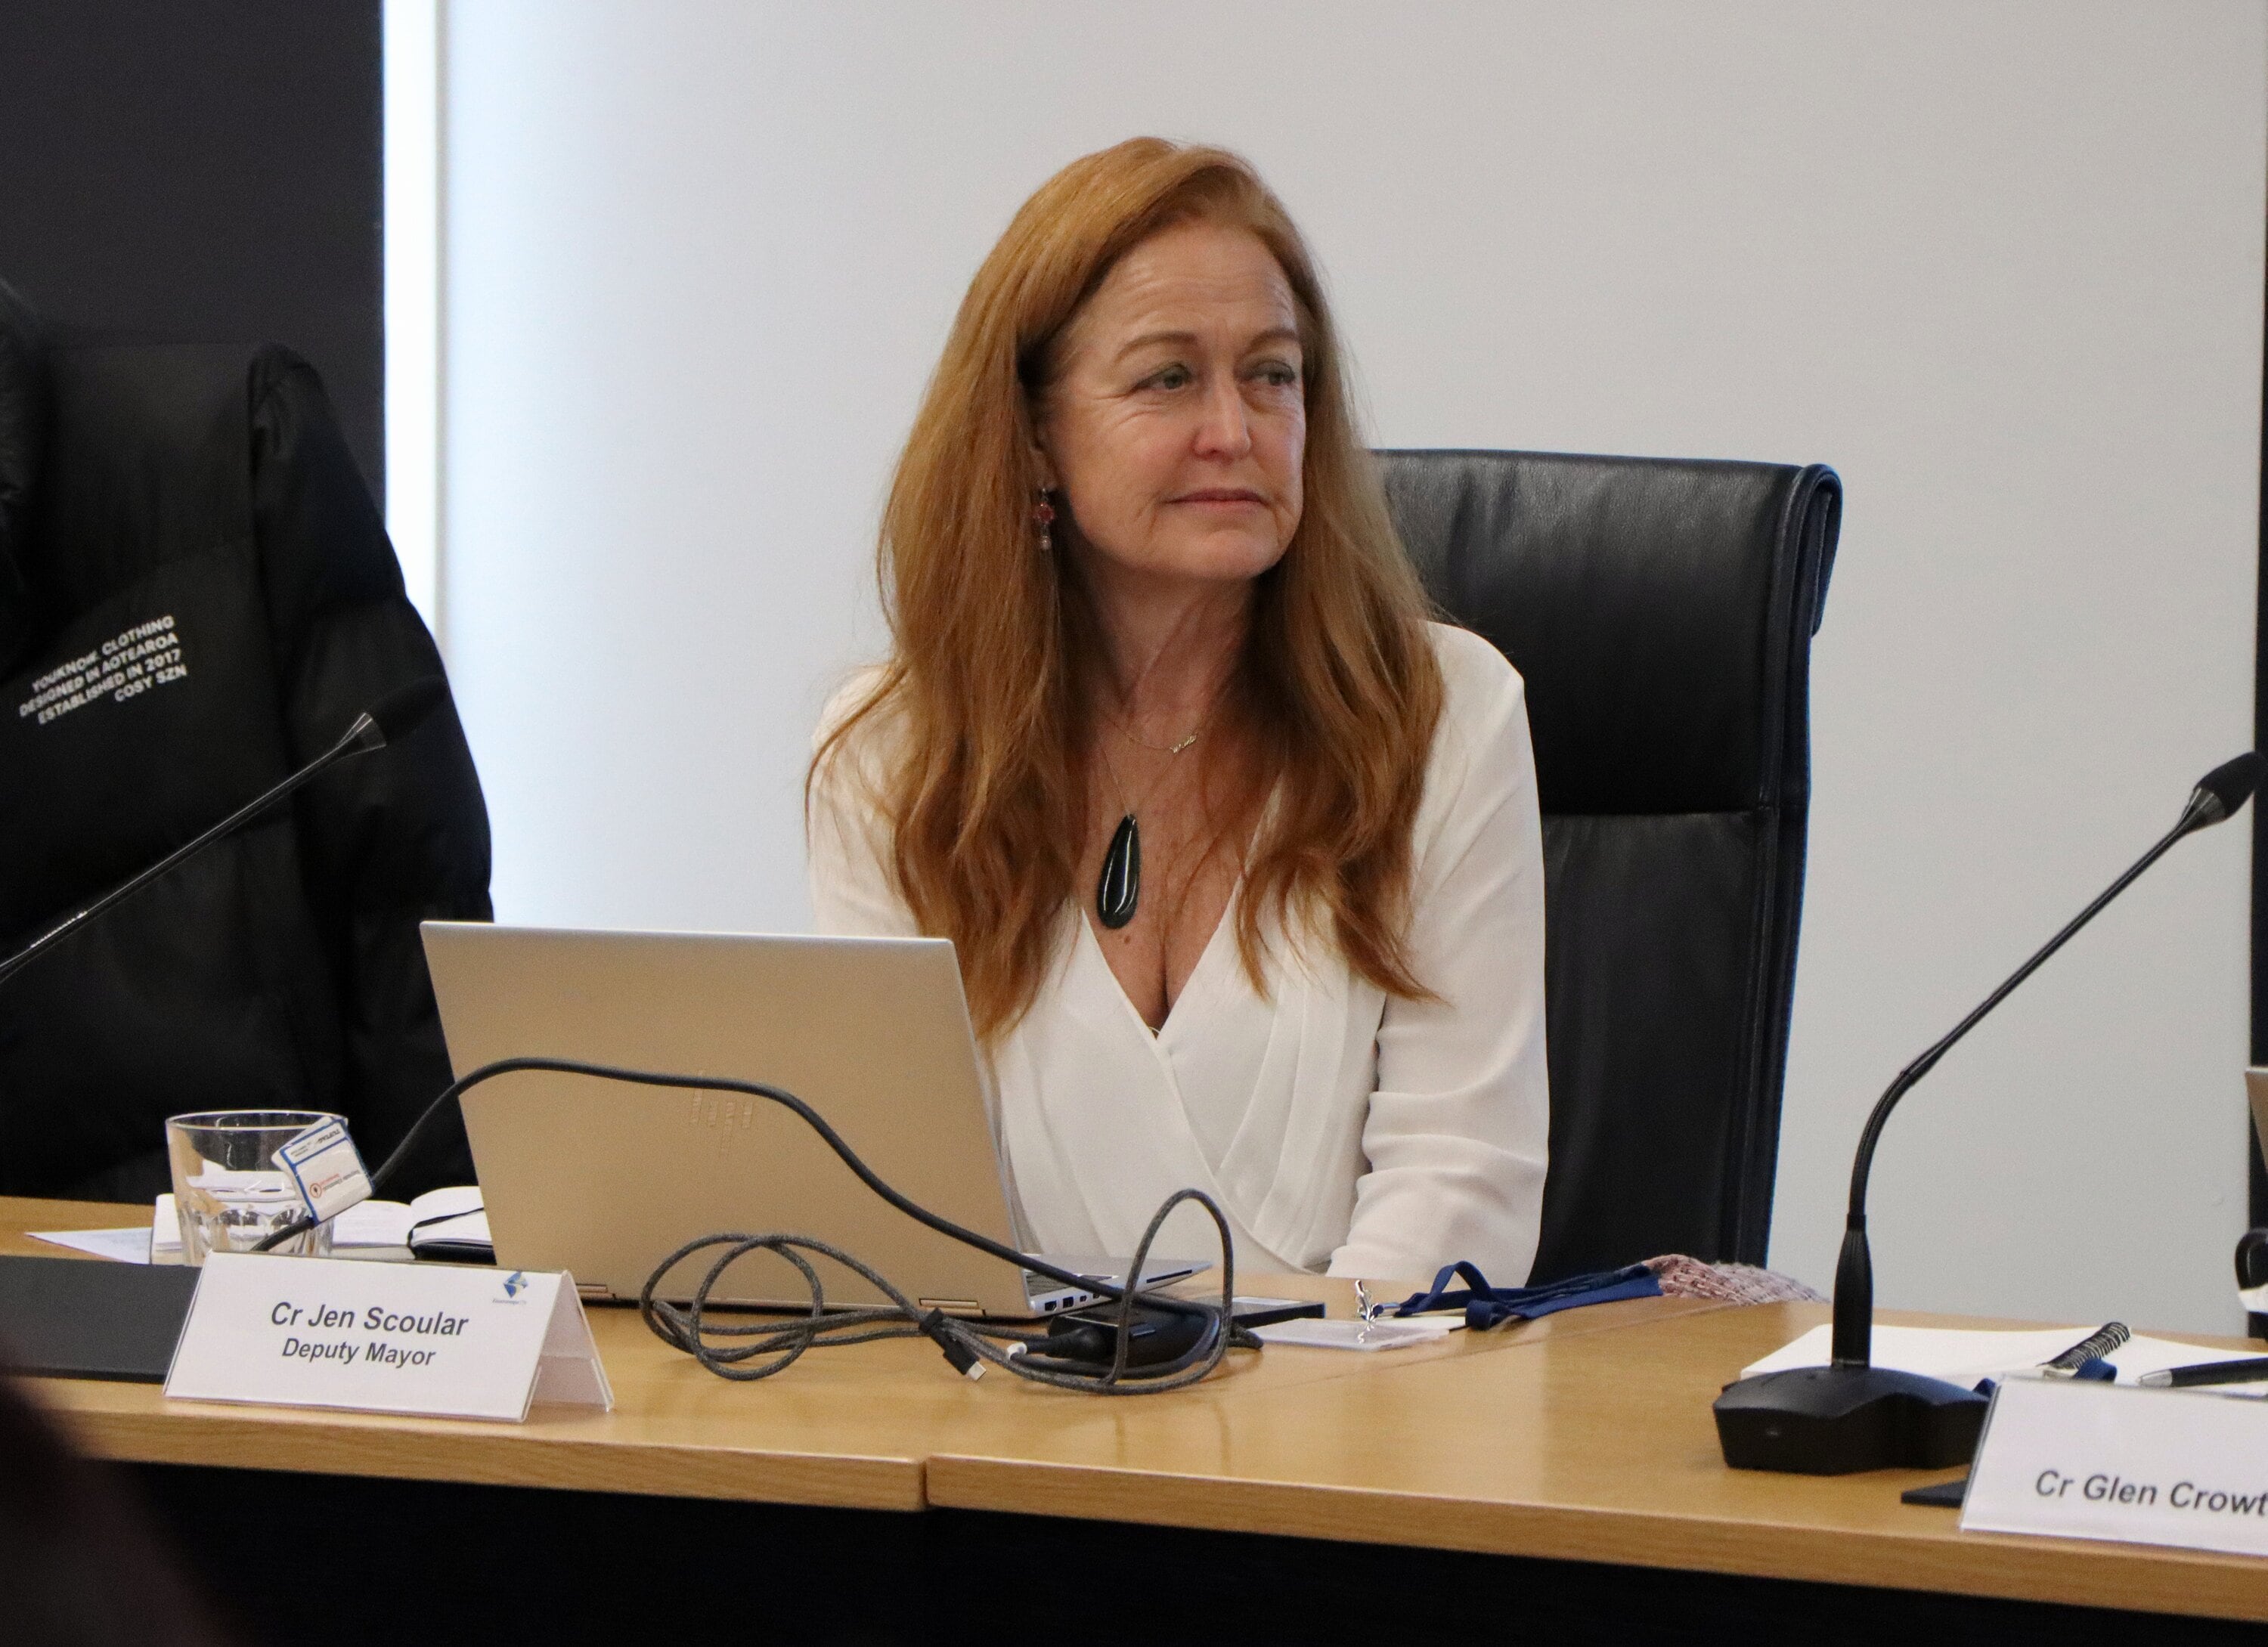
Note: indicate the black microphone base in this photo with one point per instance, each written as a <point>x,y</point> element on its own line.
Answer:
<point>1836,1421</point>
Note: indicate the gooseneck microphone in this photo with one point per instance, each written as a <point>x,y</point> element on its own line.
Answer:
<point>1852,1416</point>
<point>394,716</point>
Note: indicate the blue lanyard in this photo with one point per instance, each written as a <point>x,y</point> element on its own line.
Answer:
<point>1486,1307</point>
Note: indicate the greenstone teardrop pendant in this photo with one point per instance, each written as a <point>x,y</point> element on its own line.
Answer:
<point>1120,889</point>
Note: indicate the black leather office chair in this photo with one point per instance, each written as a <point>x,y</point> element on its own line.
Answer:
<point>1661,613</point>
<point>196,597</point>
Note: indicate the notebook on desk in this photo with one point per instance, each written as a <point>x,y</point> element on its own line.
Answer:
<point>606,1179</point>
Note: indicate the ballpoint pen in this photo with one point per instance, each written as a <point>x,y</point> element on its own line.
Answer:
<point>2251,1370</point>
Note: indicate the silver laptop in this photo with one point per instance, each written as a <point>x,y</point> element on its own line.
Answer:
<point>605,1179</point>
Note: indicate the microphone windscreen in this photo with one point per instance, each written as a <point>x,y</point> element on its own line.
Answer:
<point>402,710</point>
<point>2233,782</point>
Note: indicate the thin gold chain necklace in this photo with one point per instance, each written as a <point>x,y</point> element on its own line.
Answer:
<point>1174,748</point>
<point>1118,889</point>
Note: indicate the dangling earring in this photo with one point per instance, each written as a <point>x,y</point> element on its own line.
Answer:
<point>1044,513</point>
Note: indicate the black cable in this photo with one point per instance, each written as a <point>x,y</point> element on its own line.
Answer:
<point>970,1346</point>
<point>964,1343</point>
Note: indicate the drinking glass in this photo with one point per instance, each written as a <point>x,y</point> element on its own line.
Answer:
<point>229,1192</point>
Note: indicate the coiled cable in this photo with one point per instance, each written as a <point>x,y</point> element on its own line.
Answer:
<point>726,1350</point>
<point>968,1345</point>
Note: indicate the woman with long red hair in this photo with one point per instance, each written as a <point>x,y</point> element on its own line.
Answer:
<point>1240,853</point>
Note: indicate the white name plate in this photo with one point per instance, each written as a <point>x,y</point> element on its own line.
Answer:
<point>440,1341</point>
<point>2087,1461</point>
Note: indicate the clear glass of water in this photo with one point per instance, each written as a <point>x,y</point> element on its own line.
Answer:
<point>227,1189</point>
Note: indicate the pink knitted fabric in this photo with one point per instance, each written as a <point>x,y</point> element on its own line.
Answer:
<point>1683,1277</point>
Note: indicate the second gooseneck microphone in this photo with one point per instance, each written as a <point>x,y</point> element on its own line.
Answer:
<point>2218,796</point>
<point>1853,1415</point>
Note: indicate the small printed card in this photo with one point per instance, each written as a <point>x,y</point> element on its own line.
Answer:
<point>441,1341</point>
<point>325,1169</point>
<point>1314,1333</point>
<point>2090,1460</point>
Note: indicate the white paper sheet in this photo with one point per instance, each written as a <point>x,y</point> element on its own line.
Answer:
<point>371,1223</point>
<point>126,1247</point>
<point>1314,1333</point>
<point>1961,1355</point>
<point>377,1230</point>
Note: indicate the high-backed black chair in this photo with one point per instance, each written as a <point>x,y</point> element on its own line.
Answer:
<point>1661,614</point>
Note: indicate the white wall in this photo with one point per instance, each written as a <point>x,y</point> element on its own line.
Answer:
<point>411,62</point>
<point>2001,265</point>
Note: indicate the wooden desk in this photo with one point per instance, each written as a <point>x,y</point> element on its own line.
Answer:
<point>843,1427</point>
<point>1598,1448</point>
<point>1585,1437</point>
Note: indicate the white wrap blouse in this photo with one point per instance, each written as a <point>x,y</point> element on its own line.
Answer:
<point>1338,1127</point>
